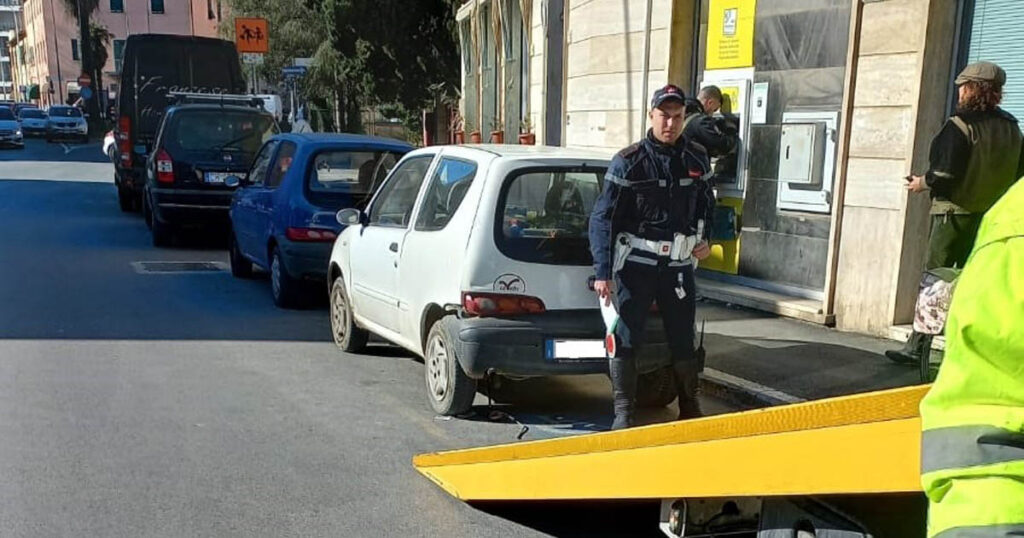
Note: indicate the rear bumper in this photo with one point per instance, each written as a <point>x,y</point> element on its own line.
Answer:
<point>187,207</point>
<point>306,261</point>
<point>519,346</point>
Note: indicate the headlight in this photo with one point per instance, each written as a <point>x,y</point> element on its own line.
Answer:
<point>17,133</point>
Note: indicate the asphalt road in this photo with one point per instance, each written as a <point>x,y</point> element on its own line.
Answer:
<point>137,403</point>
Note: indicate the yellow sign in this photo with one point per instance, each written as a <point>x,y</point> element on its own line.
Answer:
<point>730,34</point>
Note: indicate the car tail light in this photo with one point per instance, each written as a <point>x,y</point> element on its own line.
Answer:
<point>124,142</point>
<point>500,304</point>
<point>164,167</point>
<point>310,235</point>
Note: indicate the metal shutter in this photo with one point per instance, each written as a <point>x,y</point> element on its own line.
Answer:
<point>996,36</point>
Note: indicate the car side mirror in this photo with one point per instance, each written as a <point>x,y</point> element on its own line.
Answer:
<point>350,216</point>
<point>232,182</point>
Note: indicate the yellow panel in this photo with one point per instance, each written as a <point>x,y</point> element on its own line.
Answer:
<point>730,34</point>
<point>725,255</point>
<point>854,444</point>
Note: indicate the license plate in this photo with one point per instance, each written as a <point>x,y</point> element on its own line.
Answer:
<point>575,349</point>
<point>216,177</point>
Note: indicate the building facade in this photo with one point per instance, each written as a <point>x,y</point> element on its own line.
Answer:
<point>48,56</point>
<point>837,101</point>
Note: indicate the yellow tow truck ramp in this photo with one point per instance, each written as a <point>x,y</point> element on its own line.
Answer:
<point>851,445</point>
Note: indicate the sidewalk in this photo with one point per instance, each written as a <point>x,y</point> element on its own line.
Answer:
<point>756,359</point>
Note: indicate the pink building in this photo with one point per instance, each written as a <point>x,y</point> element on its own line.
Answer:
<point>47,52</point>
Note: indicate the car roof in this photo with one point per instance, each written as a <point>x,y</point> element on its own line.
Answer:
<point>512,152</point>
<point>217,107</point>
<point>343,139</point>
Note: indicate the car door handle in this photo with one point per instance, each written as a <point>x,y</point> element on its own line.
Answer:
<point>393,247</point>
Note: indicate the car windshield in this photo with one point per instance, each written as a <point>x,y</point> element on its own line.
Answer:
<point>6,114</point>
<point>543,215</point>
<point>32,113</point>
<point>352,172</point>
<point>65,112</point>
<point>216,130</point>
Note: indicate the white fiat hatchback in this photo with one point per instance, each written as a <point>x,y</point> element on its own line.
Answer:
<point>476,258</point>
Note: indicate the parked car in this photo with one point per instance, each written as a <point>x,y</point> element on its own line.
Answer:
<point>283,217</point>
<point>66,122</point>
<point>18,107</point>
<point>197,147</point>
<point>477,259</point>
<point>33,121</point>
<point>10,129</point>
<point>154,65</point>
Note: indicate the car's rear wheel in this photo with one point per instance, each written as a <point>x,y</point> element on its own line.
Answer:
<point>125,200</point>
<point>347,335</point>
<point>285,289</point>
<point>657,388</point>
<point>162,232</point>
<point>449,390</point>
<point>241,267</point>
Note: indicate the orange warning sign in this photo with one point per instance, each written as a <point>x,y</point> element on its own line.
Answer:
<point>252,35</point>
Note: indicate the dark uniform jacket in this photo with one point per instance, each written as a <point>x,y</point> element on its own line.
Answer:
<point>719,136</point>
<point>975,158</point>
<point>653,191</point>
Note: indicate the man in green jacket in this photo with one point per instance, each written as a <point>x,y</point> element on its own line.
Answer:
<point>972,461</point>
<point>974,159</point>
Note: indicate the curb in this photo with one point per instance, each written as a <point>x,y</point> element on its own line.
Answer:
<point>742,392</point>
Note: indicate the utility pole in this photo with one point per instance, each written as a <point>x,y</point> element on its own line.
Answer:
<point>92,103</point>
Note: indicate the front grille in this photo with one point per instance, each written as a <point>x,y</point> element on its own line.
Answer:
<point>4,132</point>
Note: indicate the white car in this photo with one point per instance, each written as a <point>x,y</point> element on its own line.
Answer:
<point>477,259</point>
<point>10,129</point>
<point>33,121</point>
<point>66,122</point>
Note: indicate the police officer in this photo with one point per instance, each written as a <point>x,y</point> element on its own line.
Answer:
<point>647,228</point>
<point>974,159</point>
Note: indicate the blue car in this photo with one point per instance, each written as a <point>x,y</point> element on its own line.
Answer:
<point>283,213</point>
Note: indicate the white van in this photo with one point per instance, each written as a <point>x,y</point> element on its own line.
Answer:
<point>272,103</point>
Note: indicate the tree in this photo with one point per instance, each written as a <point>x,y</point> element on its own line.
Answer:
<point>82,10</point>
<point>99,40</point>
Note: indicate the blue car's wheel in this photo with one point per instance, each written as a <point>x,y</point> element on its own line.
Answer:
<point>285,289</point>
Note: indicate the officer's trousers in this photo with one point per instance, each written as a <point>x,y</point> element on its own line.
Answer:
<point>642,282</point>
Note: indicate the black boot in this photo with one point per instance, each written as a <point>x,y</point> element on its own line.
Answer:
<point>623,376</point>
<point>911,352</point>
<point>686,384</point>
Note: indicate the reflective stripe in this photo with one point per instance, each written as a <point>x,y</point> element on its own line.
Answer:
<point>639,259</point>
<point>683,263</point>
<point>946,175</point>
<point>969,446</point>
<point>983,531</point>
<point>685,181</point>
<point>617,180</point>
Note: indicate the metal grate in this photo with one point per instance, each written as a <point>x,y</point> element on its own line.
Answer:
<point>178,267</point>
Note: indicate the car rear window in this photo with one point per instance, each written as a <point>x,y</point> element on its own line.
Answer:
<point>216,130</point>
<point>543,215</point>
<point>6,114</point>
<point>32,113</point>
<point>350,172</point>
<point>65,112</point>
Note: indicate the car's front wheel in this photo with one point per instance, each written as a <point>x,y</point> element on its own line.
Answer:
<point>449,390</point>
<point>283,287</point>
<point>347,335</point>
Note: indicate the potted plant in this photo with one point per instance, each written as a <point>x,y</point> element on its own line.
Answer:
<point>497,131</point>
<point>527,137</point>
<point>474,133</point>
<point>458,134</point>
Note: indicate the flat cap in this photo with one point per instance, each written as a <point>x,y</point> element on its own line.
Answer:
<point>982,72</point>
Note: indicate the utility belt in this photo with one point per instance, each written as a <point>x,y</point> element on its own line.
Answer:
<point>945,207</point>
<point>679,249</point>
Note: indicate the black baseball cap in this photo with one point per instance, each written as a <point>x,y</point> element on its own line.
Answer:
<point>666,93</point>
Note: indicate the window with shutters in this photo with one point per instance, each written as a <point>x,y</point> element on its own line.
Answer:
<point>992,35</point>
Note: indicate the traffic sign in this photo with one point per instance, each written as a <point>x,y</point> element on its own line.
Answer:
<point>294,70</point>
<point>252,58</point>
<point>84,79</point>
<point>85,93</point>
<point>252,35</point>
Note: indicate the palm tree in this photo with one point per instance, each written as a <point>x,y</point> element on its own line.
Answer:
<point>82,10</point>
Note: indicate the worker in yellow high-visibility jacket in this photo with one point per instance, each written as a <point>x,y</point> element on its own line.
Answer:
<point>973,418</point>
